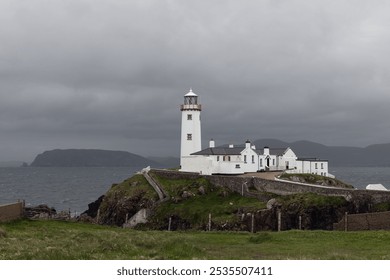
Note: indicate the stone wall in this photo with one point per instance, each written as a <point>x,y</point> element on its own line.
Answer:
<point>366,221</point>
<point>249,185</point>
<point>9,212</point>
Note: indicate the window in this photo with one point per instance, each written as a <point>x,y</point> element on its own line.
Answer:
<point>273,162</point>
<point>322,165</point>
<point>253,159</point>
<point>189,137</point>
<point>217,158</point>
<point>316,165</point>
<point>244,158</point>
<point>189,117</point>
<point>261,162</point>
<point>228,158</point>
<point>238,166</point>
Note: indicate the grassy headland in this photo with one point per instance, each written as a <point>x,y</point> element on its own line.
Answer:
<point>44,240</point>
<point>191,199</point>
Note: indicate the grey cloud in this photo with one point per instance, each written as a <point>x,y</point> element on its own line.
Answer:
<point>111,74</point>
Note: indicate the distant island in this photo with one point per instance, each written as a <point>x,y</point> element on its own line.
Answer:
<point>90,158</point>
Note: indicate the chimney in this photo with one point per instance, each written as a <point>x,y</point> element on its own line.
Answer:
<point>266,151</point>
<point>212,143</point>
<point>247,144</point>
<point>231,146</point>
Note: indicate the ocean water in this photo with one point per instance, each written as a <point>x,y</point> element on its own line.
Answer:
<point>74,188</point>
<point>63,188</point>
<point>360,177</point>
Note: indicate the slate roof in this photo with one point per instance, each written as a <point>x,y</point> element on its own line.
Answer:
<point>312,159</point>
<point>219,151</point>
<point>223,150</point>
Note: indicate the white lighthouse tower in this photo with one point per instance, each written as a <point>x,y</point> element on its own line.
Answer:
<point>190,126</point>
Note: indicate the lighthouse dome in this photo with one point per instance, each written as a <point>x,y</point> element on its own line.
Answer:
<point>190,93</point>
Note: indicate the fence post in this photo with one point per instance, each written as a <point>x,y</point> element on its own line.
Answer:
<point>279,220</point>
<point>127,218</point>
<point>300,223</point>
<point>170,223</point>
<point>209,222</point>
<point>346,221</point>
<point>253,223</point>
<point>98,216</point>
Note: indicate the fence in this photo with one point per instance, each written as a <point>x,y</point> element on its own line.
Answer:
<point>365,221</point>
<point>13,211</point>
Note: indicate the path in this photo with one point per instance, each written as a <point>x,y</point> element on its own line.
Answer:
<point>162,195</point>
<point>263,175</point>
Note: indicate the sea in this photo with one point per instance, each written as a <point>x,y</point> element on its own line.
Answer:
<point>73,188</point>
<point>64,188</point>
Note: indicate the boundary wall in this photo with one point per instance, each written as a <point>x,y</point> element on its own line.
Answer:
<point>365,221</point>
<point>12,211</point>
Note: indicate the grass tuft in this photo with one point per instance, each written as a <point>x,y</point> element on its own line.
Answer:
<point>3,233</point>
<point>260,238</point>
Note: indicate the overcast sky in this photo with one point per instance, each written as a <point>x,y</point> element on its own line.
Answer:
<point>111,74</point>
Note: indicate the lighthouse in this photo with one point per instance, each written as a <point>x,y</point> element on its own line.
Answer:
<point>190,126</point>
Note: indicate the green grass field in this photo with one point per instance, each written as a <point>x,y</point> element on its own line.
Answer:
<point>69,240</point>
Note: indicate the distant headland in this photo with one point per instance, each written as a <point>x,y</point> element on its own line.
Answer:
<point>90,158</point>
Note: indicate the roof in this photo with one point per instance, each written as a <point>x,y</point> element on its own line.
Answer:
<point>376,187</point>
<point>236,150</point>
<point>191,93</point>
<point>311,159</point>
<point>219,151</point>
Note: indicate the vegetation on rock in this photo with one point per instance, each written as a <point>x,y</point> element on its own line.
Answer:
<point>126,199</point>
<point>315,179</point>
<point>192,201</point>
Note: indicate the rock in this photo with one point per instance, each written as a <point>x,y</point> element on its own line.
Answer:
<point>141,217</point>
<point>39,212</point>
<point>94,207</point>
<point>187,194</point>
<point>201,190</point>
<point>86,219</point>
<point>272,203</point>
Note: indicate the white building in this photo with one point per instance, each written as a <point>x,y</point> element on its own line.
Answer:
<point>234,159</point>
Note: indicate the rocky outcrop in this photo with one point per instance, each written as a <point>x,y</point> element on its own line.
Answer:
<point>93,207</point>
<point>45,212</point>
<point>141,217</point>
<point>304,207</point>
<point>40,211</point>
